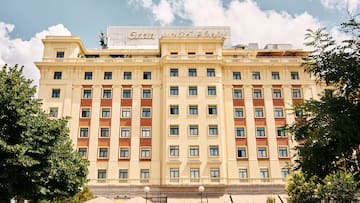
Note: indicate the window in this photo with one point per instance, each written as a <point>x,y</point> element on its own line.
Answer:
<point>103,153</point>
<point>174,150</point>
<point>102,174</point>
<point>174,53</point>
<point>87,94</point>
<point>105,112</point>
<point>191,53</point>
<point>124,152</point>
<point>193,109</point>
<point>213,150</point>
<point>174,174</point>
<point>104,132</point>
<point>262,152</point>
<point>260,132</point>
<point>123,174</point>
<point>236,76</point>
<point>174,90</point>
<point>144,174</point>
<point>259,112</point>
<point>84,132</point>
<point>264,173</point>
<point>298,112</point>
<point>146,93</point>
<point>241,152</point>
<point>257,94</point>
<point>60,54</point>
<point>239,132</point>
<point>194,151</point>
<point>294,75</point>
<point>213,130</point>
<point>212,110</point>
<point>192,72</point>
<point>146,113</point>
<point>107,75</point>
<point>275,75</point>
<point>214,173</point>
<point>55,93</point>
<point>211,72</point>
<point>237,94</point>
<point>285,173</point>
<point>145,153</point>
<point>127,75</point>
<point>145,132</point>
<point>211,90</point>
<point>280,132</point>
<point>54,112</point>
<point>194,130</point>
<point>296,93</point>
<point>194,174</point>
<point>174,130</point>
<point>106,94</point>
<point>283,152</point>
<point>174,72</point>
<point>85,113</point>
<point>239,113</point>
<point>209,53</point>
<point>126,94</point>
<point>147,76</point>
<point>243,173</point>
<point>88,75</point>
<point>256,75</point>
<point>83,152</point>
<point>57,75</point>
<point>276,93</point>
<point>125,113</point>
<point>279,113</point>
<point>192,90</point>
<point>125,132</point>
<point>174,110</point>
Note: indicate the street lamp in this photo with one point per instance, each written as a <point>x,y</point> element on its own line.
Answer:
<point>146,190</point>
<point>201,190</point>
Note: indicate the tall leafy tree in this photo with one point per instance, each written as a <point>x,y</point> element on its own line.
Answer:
<point>329,131</point>
<point>37,159</point>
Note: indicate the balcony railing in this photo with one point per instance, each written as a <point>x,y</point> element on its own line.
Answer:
<point>103,60</point>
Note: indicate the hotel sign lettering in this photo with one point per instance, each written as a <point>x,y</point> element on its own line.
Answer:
<point>133,37</point>
<point>151,35</point>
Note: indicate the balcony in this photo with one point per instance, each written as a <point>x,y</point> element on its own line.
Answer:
<point>187,58</point>
<point>263,60</point>
<point>103,60</point>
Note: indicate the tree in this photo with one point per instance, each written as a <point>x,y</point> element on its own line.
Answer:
<point>37,158</point>
<point>329,130</point>
<point>339,186</point>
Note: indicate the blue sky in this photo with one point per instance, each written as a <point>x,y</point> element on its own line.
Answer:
<point>23,23</point>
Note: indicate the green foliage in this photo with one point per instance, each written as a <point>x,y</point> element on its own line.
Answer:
<point>339,186</point>
<point>329,130</point>
<point>270,200</point>
<point>329,133</point>
<point>37,158</point>
<point>301,190</point>
<point>81,196</point>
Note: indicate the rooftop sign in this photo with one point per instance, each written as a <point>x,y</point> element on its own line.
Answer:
<point>123,37</point>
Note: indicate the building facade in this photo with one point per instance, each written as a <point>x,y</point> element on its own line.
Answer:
<point>183,112</point>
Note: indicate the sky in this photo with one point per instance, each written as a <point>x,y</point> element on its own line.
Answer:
<point>23,23</point>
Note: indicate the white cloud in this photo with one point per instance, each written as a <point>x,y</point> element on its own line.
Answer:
<point>25,52</point>
<point>162,12</point>
<point>247,21</point>
<point>352,5</point>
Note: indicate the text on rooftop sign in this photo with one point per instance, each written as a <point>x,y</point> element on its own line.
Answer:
<point>151,35</point>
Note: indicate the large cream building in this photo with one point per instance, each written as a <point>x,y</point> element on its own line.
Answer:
<point>175,108</point>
